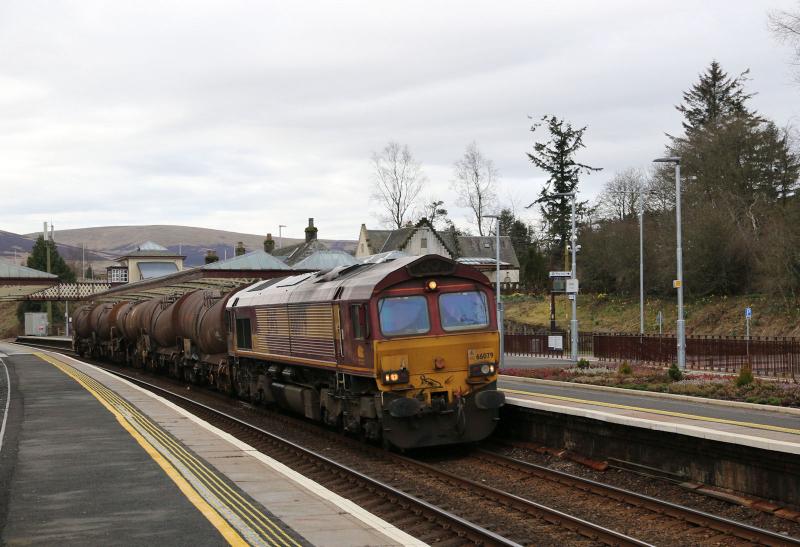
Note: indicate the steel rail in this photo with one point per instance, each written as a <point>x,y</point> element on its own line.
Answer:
<point>586,528</point>
<point>554,516</point>
<point>693,516</point>
<point>451,523</point>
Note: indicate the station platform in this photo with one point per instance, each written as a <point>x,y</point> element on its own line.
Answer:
<point>88,458</point>
<point>758,426</point>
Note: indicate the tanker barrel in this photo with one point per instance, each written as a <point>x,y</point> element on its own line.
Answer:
<point>108,319</point>
<point>80,320</point>
<point>211,335</point>
<point>164,324</point>
<point>97,313</point>
<point>122,315</point>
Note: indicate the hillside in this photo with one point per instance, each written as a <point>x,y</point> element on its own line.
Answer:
<point>112,241</point>
<point>720,316</point>
<point>126,238</point>
<point>10,242</point>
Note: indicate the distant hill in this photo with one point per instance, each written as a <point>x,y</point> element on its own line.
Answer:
<point>112,241</point>
<point>23,244</point>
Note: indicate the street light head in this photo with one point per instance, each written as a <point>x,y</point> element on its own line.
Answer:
<point>490,216</point>
<point>670,159</point>
<point>564,195</point>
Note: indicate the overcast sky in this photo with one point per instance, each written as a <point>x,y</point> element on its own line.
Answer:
<point>243,115</point>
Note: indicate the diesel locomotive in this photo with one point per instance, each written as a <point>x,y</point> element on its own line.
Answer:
<point>405,352</point>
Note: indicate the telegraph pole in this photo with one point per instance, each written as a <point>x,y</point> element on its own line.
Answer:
<point>47,253</point>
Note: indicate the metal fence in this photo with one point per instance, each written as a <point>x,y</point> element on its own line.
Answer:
<point>768,356</point>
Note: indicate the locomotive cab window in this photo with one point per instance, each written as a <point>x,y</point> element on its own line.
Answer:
<point>401,315</point>
<point>463,310</point>
<point>244,338</point>
<point>358,319</point>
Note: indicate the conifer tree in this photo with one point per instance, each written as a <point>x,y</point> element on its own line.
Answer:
<point>38,261</point>
<point>556,156</point>
<point>715,97</point>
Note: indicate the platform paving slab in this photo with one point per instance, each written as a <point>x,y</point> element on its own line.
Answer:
<point>72,476</point>
<point>319,516</point>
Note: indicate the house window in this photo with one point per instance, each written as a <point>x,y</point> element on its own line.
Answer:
<point>423,243</point>
<point>244,338</point>
<point>119,275</point>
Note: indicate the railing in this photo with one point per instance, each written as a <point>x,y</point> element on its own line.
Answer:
<point>768,356</point>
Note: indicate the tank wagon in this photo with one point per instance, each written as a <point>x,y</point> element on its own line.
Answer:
<point>405,352</point>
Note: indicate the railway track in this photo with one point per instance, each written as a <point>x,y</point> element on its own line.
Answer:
<point>428,520</point>
<point>679,519</point>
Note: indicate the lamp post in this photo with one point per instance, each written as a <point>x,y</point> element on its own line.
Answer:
<point>678,283</point>
<point>641,263</point>
<point>573,324</point>
<point>497,285</point>
<point>280,235</point>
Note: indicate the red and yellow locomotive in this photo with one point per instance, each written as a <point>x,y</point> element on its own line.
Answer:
<point>404,351</point>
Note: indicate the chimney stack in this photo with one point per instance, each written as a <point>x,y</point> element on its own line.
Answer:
<point>311,231</point>
<point>211,256</point>
<point>240,250</point>
<point>269,244</point>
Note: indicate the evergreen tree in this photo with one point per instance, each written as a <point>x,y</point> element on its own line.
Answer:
<point>38,261</point>
<point>714,98</point>
<point>556,156</point>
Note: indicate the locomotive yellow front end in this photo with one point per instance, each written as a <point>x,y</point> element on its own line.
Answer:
<point>437,361</point>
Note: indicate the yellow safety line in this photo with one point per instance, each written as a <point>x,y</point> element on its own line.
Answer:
<point>656,411</point>
<point>216,520</point>
<point>212,481</point>
<point>265,525</point>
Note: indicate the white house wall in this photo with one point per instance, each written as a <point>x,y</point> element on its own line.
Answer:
<point>434,246</point>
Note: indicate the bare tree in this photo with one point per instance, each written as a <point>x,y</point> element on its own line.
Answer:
<point>785,25</point>
<point>397,181</point>
<point>475,181</point>
<point>620,198</point>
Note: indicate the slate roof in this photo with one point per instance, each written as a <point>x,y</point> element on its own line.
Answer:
<point>293,254</point>
<point>12,271</point>
<point>396,240</point>
<point>326,260</point>
<point>484,247</point>
<point>376,239</point>
<point>257,260</point>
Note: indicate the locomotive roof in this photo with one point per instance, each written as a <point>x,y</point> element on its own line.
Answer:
<point>356,282</point>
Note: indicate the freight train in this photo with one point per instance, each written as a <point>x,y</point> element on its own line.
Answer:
<point>404,352</point>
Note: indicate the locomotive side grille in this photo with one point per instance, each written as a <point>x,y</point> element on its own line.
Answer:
<point>301,330</point>
<point>272,331</point>
<point>312,330</point>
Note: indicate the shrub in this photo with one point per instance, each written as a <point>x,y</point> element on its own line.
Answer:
<point>675,373</point>
<point>745,377</point>
<point>583,363</point>
<point>625,368</point>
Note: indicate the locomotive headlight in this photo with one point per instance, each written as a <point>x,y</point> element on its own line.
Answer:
<point>482,369</point>
<point>395,376</point>
<point>431,285</point>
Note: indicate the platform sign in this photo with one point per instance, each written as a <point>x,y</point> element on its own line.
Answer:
<point>560,274</point>
<point>572,286</point>
<point>748,312</point>
<point>555,342</point>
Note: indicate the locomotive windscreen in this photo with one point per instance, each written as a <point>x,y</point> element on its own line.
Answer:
<point>463,310</point>
<point>404,315</point>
